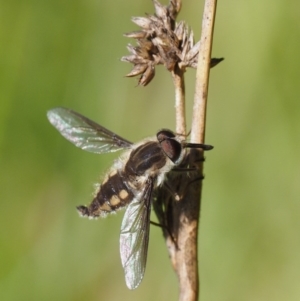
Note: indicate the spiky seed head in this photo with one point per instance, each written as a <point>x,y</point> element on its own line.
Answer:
<point>161,41</point>
<point>147,76</point>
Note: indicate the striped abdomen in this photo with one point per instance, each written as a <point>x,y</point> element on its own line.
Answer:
<point>113,194</point>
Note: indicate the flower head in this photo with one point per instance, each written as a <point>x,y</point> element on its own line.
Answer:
<point>160,41</point>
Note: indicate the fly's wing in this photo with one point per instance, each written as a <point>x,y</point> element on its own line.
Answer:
<point>134,237</point>
<point>85,133</point>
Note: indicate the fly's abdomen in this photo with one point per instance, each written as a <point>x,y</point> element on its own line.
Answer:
<point>112,195</point>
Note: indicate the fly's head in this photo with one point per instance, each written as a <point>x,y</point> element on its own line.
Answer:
<point>170,145</point>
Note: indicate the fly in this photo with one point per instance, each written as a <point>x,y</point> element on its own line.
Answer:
<point>130,181</point>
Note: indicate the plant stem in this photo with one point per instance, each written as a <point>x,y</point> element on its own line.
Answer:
<point>199,115</point>
<point>202,75</point>
<point>178,80</point>
<point>181,218</point>
<point>185,258</point>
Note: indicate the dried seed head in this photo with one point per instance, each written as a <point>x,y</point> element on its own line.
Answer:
<point>160,10</point>
<point>147,76</point>
<point>179,30</point>
<point>137,70</point>
<point>142,22</point>
<point>136,34</point>
<point>161,41</point>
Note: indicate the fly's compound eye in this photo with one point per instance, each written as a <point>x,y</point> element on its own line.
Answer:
<point>164,134</point>
<point>171,147</point>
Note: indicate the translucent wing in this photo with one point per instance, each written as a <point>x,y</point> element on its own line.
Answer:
<point>85,133</point>
<point>134,237</point>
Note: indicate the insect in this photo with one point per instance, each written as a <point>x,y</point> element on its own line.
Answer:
<point>129,182</point>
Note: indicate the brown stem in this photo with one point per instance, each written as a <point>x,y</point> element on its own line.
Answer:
<point>178,80</point>
<point>202,75</point>
<point>181,218</point>
<point>199,116</point>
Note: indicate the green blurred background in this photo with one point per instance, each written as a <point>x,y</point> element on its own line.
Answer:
<point>66,53</point>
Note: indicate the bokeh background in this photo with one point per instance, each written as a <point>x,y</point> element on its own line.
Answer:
<point>67,53</point>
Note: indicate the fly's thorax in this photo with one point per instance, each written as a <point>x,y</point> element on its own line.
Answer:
<point>146,159</point>
<point>153,157</point>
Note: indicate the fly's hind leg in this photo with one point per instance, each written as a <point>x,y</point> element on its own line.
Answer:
<point>167,229</point>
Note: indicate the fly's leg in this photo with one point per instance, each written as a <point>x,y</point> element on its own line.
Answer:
<point>167,229</point>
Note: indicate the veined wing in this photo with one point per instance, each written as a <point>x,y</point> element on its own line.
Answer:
<point>85,133</point>
<point>134,237</point>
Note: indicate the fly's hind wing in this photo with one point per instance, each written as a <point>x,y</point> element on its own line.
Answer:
<point>85,133</point>
<point>134,237</point>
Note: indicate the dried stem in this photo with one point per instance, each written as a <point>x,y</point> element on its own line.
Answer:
<point>202,75</point>
<point>178,80</point>
<point>198,125</point>
<point>182,217</point>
